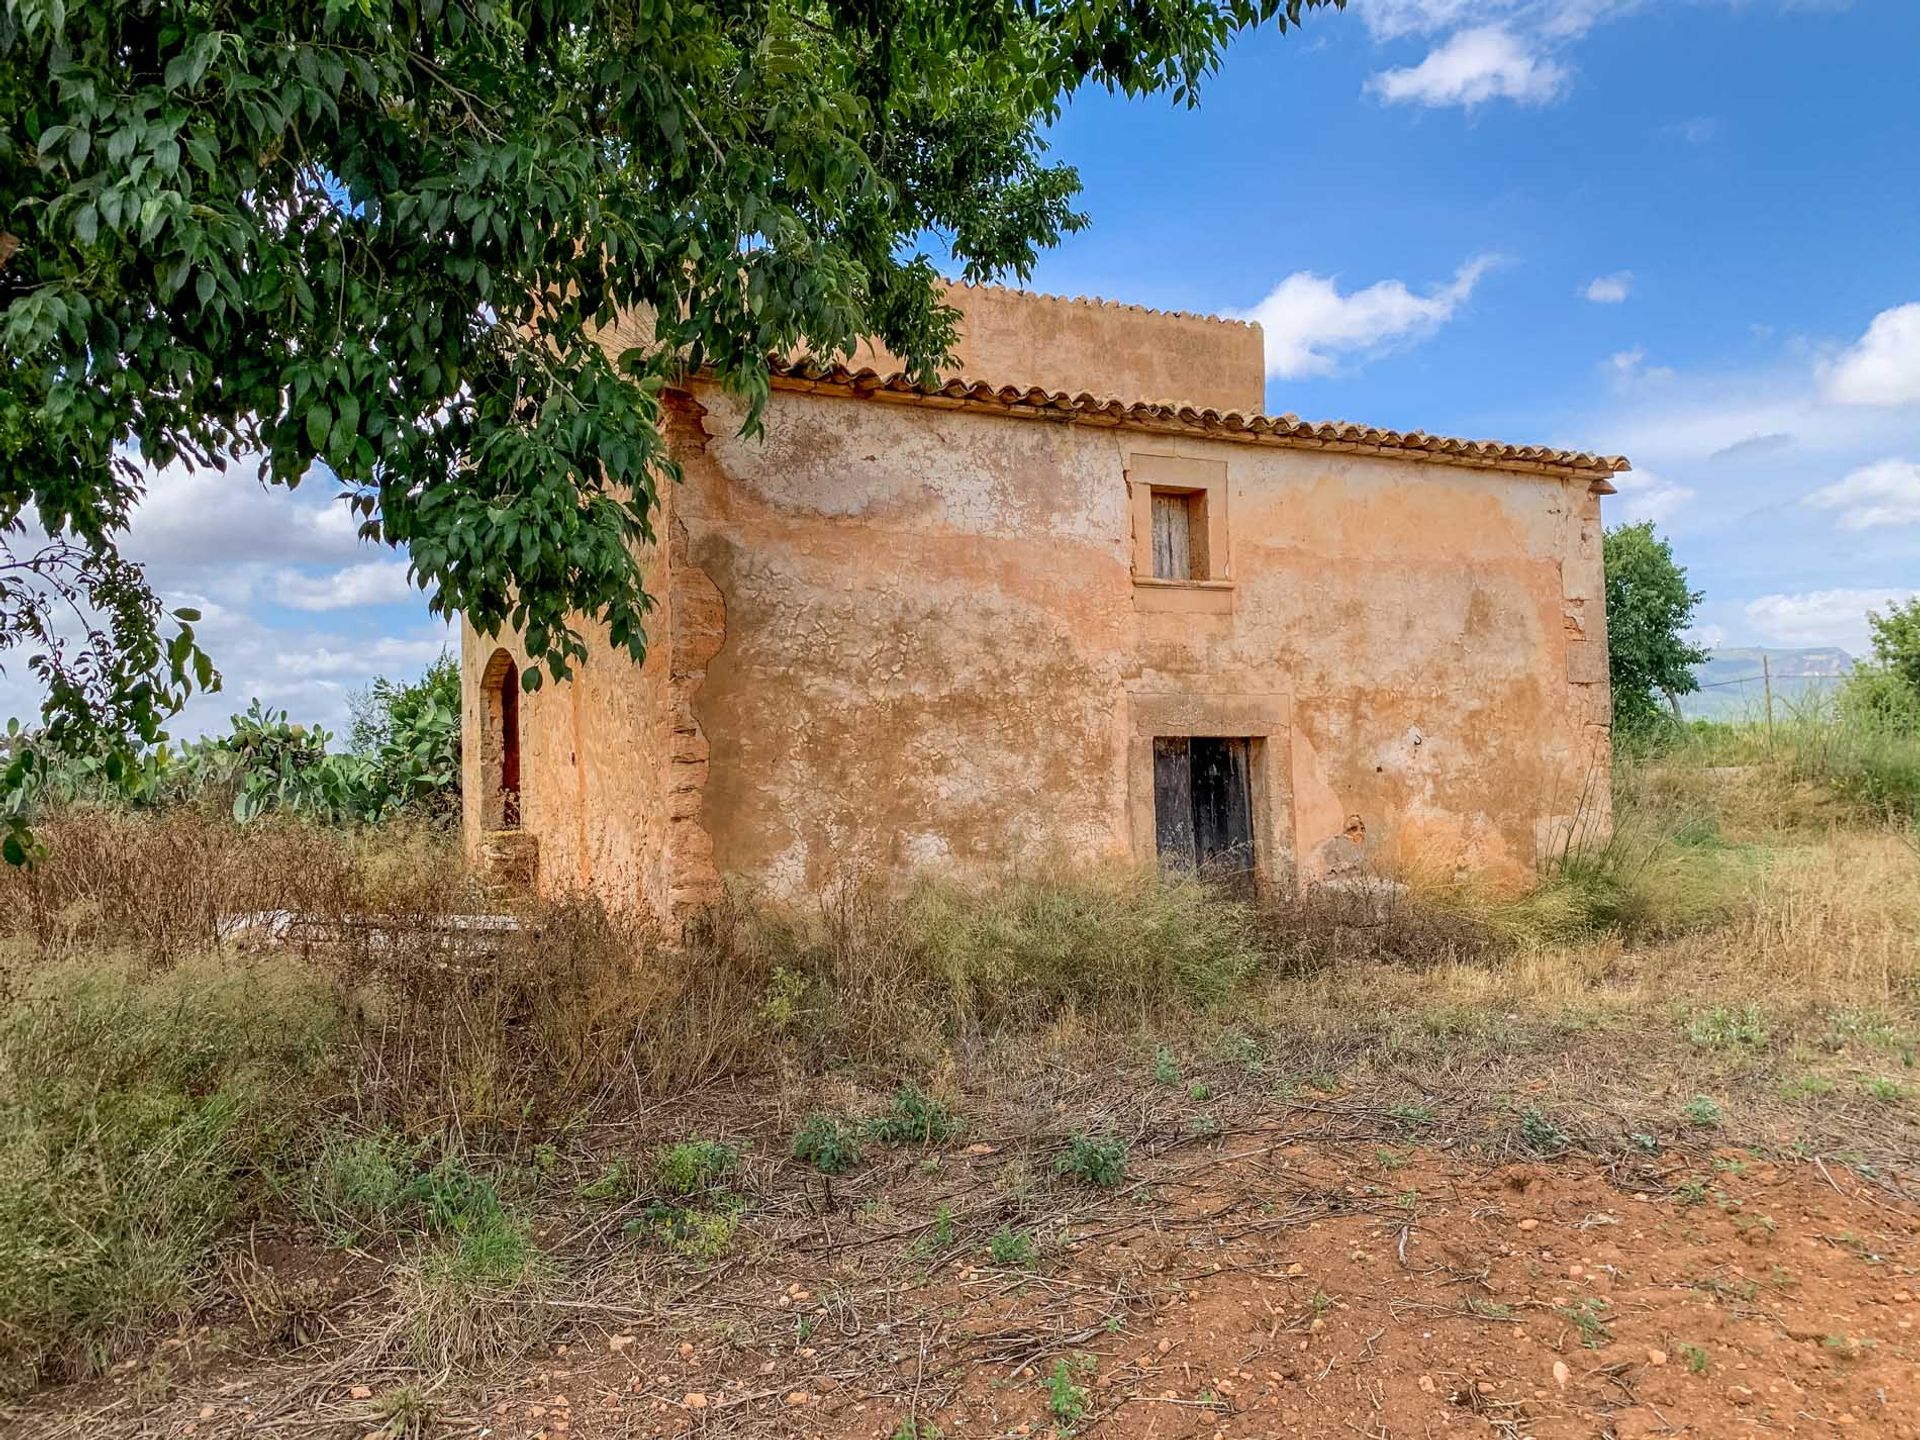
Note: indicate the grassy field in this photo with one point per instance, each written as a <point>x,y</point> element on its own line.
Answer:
<point>428,1165</point>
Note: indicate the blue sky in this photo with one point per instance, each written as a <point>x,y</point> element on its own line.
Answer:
<point>1684,230</point>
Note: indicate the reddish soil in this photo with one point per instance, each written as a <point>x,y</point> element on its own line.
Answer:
<point>1262,1288</point>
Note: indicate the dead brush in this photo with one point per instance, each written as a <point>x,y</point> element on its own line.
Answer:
<point>288,1311</point>
<point>160,882</point>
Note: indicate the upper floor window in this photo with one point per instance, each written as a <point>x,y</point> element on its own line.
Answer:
<point>1179,534</point>
<point>1180,546</point>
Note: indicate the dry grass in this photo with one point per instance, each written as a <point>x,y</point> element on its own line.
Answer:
<point>1703,951</point>
<point>155,883</point>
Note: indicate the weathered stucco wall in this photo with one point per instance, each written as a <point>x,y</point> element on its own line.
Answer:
<point>897,634</point>
<point>936,651</point>
<point>613,762</point>
<point>1100,347</point>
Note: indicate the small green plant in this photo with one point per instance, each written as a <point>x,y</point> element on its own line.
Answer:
<point>1236,1047</point>
<point>691,1232</point>
<point>404,1413</point>
<point>1588,1315</point>
<point>1800,1087</point>
<point>942,1232</point>
<point>1541,1135</point>
<point>1095,1159</point>
<point>912,1429</point>
<point>1723,1029</point>
<point>1488,1309</point>
<point>1388,1159</point>
<point>694,1167</point>
<point>1413,1118</point>
<point>914,1118</point>
<point>1067,1399</point>
<point>1691,1191</point>
<point>1703,1111</point>
<point>1891,1091</point>
<point>1203,1127</point>
<point>1695,1359</point>
<point>1199,1090</point>
<point>1165,1071</point>
<point>611,1183</point>
<point>475,1297</point>
<point>453,1200</point>
<point>785,991</point>
<point>1012,1248</point>
<point>1642,1141</point>
<point>827,1143</point>
<point>359,1182</point>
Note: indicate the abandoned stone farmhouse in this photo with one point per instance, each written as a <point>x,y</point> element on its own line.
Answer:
<point>1081,602</point>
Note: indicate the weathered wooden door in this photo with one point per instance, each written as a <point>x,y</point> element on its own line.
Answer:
<point>1203,804</point>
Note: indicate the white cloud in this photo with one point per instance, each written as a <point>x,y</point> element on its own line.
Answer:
<point>1568,19</point>
<point>1609,289</point>
<point>1884,493</point>
<point>373,582</point>
<point>1883,366</point>
<point>1472,67</point>
<point>1630,369</point>
<point>194,518</point>
<point>1822,617</point>
<point>261,564</point>
<point>1309,324</point>
<point>1646,496</point>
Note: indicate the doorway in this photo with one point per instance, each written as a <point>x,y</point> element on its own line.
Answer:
<point>1203,805</point>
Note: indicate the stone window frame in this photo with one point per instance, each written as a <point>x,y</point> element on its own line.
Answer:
<point>1148,471</point>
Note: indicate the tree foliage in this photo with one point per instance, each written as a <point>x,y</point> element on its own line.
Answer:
<point>403,758</point>
<point>1649,608</point>
<point>1884,693</point>
<point>386,238</point>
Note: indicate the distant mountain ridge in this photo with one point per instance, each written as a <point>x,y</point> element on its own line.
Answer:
<point>1733,685</point>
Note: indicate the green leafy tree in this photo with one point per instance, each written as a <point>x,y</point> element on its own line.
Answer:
<point>386,243</point>
<point>403,758</point>
<point>409,736</point>
<point>1884,693</point>
<point>1649,608</point>
<point>1896,641</point>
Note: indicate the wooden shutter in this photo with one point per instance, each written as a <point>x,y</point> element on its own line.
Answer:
<point>1173,801</point>
<point>1172,536</point>
<point>1222,791</point>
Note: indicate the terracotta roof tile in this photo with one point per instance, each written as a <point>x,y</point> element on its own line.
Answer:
<point>1285,430</point>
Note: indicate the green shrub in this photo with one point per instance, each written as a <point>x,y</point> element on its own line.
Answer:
<point>453,1200</point>
<point>1541,1135</point>
<point>914,1118</point>
<point>1095,1159</point>
<point>1703,1111</point>
<point>1011,1247</point>
<point>827,1143</point>
<point>1166,1071</point>
<point>359,1182</point>
<point>691,1231</point>
<point>1722,1029</point>
<point>1067,1399</point>
<point>693,1167</point>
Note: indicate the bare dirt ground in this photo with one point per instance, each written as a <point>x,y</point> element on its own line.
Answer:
<point>1312,1269</point>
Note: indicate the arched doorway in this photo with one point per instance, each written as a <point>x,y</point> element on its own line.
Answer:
<point>500,743</point>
